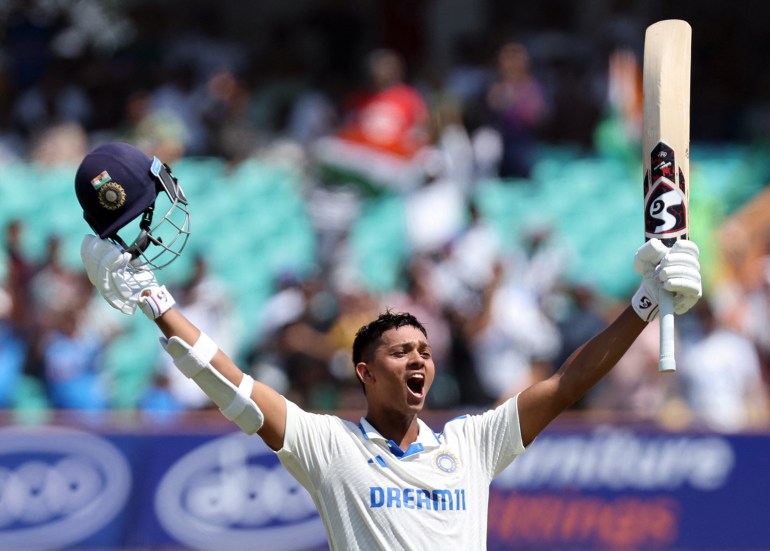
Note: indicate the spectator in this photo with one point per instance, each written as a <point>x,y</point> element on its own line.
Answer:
<point>583,317</point>
<point>19,275</point>
<point>511,340</point>
<point>157,133</point>
<point>383,132</point>
<point>225,113</point>
<point>355,304</point>
<point>54,288</point>
<point>470,258</point>
<point>515,106</point>
<point>720,374</point>
<point>13,352</point>
<point>449,133</point>
<point>73,364</point>
<point>55,99</point>
<point>420,298</point>
<point>181,98</point>
<point>393,117</point>
<point>60,144</point>
<point>434,211</point>
<point>541,261</point>
<point>294,349</point>
<point>469,77</point>
<point>635,389</point>
<point>314,113</point>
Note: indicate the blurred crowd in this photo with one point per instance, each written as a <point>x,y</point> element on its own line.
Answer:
<point>499,316</point>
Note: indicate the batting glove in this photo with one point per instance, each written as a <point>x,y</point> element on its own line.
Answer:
<point>675,270</point>
<point>121,285</point>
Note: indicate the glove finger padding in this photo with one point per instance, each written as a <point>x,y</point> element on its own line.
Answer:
<point>109,270</point>
<point>686,246</point>
<point>679,278</point>
<point>95,252</point>
<point>680,274</point>
<point>118,291</point>
<point>683,303</point>
<point>676,270</point>
<point>88,257</point>
<point>648,256</point>
<point>103,260</point>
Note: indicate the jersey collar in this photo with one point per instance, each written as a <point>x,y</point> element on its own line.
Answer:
<point>426,439</point>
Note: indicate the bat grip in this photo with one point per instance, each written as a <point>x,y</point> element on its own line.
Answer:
<point>667,361</point>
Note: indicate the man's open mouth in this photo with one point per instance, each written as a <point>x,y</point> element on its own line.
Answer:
<point>416,383</point>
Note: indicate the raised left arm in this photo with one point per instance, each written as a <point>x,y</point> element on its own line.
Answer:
<point>676,270</point>
<point>542,402</point>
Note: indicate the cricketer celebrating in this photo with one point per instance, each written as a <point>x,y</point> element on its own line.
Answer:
<point>387,481</point>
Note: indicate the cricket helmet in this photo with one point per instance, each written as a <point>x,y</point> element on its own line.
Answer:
<point>117,185</point>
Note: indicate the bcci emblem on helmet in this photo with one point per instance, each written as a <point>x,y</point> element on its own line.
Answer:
<point>112,196</point>
<point>118,187</point>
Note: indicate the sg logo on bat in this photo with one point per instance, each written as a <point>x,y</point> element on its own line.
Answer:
<point>665,202</point>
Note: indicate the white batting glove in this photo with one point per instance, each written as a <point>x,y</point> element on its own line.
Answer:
<point>122,286</point>
<point>675,270</point>
<point>155,301</point>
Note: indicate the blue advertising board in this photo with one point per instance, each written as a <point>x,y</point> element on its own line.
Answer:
<point>617,488</point>
<point>583,486</point>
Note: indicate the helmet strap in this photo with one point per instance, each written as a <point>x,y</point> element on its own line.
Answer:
<point>146,221</point>
<point>143,240</point>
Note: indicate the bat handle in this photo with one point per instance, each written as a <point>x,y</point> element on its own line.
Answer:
<point>667,362</point>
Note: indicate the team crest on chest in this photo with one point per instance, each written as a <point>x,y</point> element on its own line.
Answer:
<point>446,462</point>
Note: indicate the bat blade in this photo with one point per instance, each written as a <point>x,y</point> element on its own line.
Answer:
<point>666,150</point>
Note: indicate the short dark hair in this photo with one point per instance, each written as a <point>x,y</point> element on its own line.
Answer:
<point>368,335</point>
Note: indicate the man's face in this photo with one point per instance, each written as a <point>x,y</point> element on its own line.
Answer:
<point>401,371</point>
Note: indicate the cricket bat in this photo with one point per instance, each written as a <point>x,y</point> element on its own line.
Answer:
<point>666,151</point>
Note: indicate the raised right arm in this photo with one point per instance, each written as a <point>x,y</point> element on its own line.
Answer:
<point>272,405</point>
<point>250,404</point>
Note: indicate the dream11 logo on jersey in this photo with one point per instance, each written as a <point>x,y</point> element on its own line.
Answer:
<point>58,487</point>
<point>231,492</point>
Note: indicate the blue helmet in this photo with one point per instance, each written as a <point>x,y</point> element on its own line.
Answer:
<point>117,184</point>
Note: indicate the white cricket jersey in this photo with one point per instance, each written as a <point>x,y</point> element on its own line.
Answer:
<point>372,495</point>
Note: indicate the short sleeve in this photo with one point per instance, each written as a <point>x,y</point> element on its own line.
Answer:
<point>497,436</point>
<point>307,444</point>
